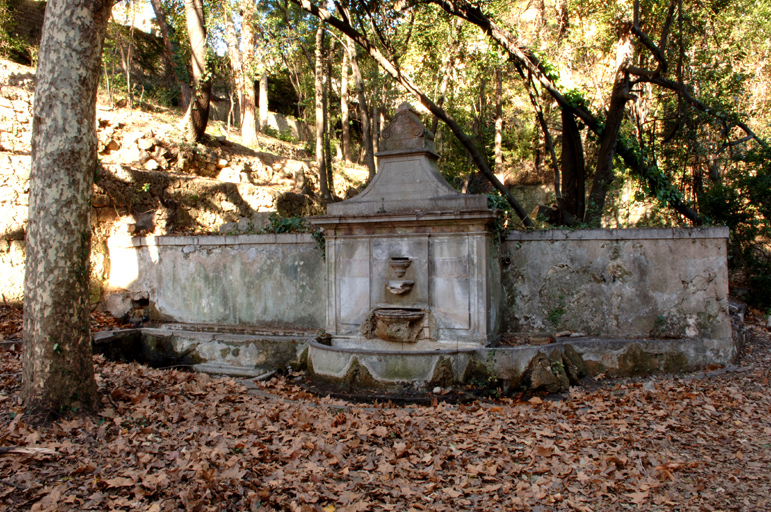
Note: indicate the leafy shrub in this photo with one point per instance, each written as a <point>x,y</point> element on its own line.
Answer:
<point>742,201</point>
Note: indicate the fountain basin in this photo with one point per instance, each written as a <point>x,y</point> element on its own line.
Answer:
<point>388,369</point>
<point>400,325</point>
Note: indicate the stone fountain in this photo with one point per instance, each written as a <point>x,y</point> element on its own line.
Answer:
<point>413,278</point>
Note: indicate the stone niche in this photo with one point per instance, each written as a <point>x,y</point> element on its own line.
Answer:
<point>411,262</point>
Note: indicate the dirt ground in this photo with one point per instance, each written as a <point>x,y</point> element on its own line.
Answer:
<point>171,440</point>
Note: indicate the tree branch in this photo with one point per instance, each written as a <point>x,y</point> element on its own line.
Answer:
<point>463,9</point>
<point>682,91</point>
<point>389,67</point>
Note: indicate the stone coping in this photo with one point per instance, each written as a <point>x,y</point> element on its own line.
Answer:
<point>417,217</point>
<point>213,240</point>
<point>524,236</point>
<point>556,235</point>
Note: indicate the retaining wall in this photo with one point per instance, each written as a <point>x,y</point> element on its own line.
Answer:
<point>635,283</point>
<point>256,280</point>
<point>630,283</point>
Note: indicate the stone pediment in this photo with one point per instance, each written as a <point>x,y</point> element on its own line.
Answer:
<point>406,133</point>
<point>408,178</point>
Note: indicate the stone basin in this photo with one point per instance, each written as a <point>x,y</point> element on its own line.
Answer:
<point>400,325</point>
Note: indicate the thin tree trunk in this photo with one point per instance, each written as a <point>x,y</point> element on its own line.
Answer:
<point>319,83</point>
<point>346,129</point>
<point>603,175</point>
<point>545,129</point>
<point>58,371</point>
<point>369,154</point>
<point>234,52</point>
<point>199,111</point>
<point>328,128</point>
<point>249,104</point>
<point>127,66</point>
<point>374,99</point>
<point>263,102</point>
<point>184,89</point>
<point>498,119</point>
<point>446,74</point>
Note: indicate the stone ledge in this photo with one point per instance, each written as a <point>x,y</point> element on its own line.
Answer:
<point>213,240</point>
<point>556,235</point>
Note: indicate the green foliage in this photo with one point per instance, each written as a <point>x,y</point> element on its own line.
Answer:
<point>278,224</point>
<point>286,136</point>
<point>742,201</point>
<point>505,217</point>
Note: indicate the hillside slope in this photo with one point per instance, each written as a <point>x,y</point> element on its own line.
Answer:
<point>152,182</point>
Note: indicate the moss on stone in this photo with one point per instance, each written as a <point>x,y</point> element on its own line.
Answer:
<point>444,375</point>
<point>675,362</point>
<point>635,361</point>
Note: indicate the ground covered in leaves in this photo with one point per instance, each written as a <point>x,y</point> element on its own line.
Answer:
<point>170,440</point>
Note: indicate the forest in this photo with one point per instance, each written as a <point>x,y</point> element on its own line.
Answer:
<point>627,113</point>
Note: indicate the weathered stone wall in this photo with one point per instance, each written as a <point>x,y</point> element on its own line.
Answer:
<point>256,280</point>
<point>633,283</point>
<point>645,283</point>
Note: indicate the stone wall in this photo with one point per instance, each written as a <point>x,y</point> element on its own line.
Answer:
<point>644,283</point>
<point>632,283</point>
<point>254,280</point>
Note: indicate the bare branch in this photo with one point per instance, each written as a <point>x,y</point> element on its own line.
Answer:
<point>646,41</point>
<point>682,91</point>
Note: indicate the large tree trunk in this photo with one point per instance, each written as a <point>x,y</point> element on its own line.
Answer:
<point>345,117</point>
<point>58,371</point>
<point>199,109</point>
<point>319,83</point>
<point>369,153</point>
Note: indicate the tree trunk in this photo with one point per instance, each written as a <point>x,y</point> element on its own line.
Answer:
<point>184,89</point>
<point>446,74</point>
<point>249,114</point>
<point>263,102</point>
<point>603,176</point>
<point>319,83</point>
<point>573,201</point>
<point>199,110</point>
<point>328,128</point>
<point>249,100</point>
<point>58,371</point>
<point>345,119</point>
<point>234,52</point>
<point>498,119</point>
<point>375,100</point>
<point>369,154</point>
